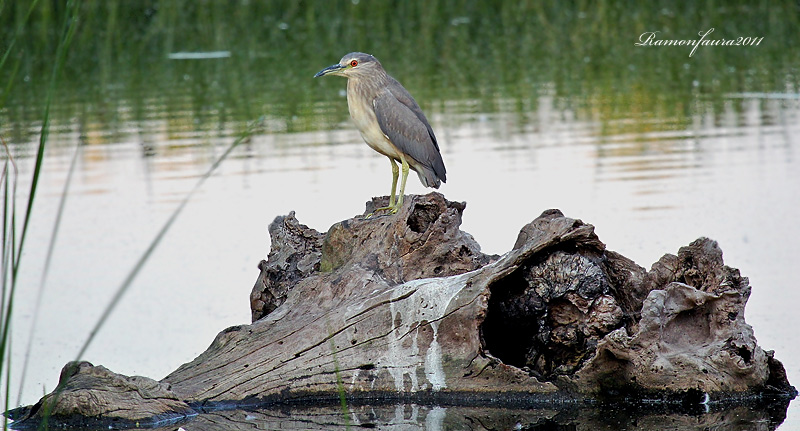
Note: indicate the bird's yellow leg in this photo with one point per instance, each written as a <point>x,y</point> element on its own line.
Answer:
<point>404,168</point>
<point>395,175</point>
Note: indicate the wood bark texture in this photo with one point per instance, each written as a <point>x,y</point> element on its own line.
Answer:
<point>406,307</point>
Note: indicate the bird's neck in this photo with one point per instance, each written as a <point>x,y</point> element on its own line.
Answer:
<point>367,87</point>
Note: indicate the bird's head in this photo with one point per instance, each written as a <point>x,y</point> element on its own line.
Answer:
<point>354,65</point>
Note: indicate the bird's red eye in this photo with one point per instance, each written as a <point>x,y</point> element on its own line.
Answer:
<point>353,63</point>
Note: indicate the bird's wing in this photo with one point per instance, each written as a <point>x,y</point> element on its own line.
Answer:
<point>408,132</point>
<point>403,96</point>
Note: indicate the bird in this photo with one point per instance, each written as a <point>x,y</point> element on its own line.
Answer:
<point>391,123</point>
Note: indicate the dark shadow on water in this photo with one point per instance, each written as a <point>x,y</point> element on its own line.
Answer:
<point>434,418</point>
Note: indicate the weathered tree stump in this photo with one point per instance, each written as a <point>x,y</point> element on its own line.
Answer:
<point>406,307</point>
<point>89,396</point>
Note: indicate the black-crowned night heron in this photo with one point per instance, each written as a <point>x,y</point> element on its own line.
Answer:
<point>390,121</point>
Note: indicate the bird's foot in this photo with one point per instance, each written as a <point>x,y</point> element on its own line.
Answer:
<point>391,209</point>
<point>394,206</point>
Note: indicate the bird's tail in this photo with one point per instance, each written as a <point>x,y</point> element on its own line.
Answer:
<point>428,178</point>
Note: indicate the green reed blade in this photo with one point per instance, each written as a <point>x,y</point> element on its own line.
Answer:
<point>14,38</point>
<point>68,31</point>
<point>46,269</point>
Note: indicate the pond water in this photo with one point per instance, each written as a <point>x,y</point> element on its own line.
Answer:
<point>533,108</point>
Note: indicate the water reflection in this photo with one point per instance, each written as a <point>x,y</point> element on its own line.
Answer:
<point>640,151</point>
<point>439,418</point>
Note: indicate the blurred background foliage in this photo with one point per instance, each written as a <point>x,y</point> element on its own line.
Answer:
<point>486,56</point>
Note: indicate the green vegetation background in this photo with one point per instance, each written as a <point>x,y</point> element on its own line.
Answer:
<point>498,55</point>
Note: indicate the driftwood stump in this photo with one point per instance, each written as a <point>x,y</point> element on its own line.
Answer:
<point>406,307</point>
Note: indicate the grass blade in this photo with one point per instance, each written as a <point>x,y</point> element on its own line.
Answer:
<point>61,55</point>
<point>339,384</point>
<point>9,239</point>
<point>14,38</point>
<point>46,270</point>
<point>16,248</point>
<point>9,204</point>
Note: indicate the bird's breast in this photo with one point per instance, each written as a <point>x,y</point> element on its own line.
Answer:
<point>363,114</point>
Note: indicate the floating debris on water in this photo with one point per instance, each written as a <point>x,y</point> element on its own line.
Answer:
<point>198,55</point>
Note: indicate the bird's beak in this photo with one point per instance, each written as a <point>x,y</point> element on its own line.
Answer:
<point>330,69</point>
